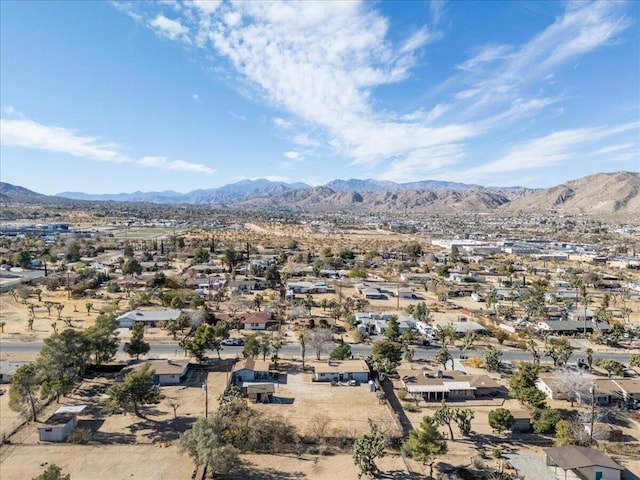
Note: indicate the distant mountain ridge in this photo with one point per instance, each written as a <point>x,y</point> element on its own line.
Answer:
<point>601,195</point>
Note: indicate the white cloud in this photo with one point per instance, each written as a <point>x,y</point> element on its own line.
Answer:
<point>29,134</point>
<point>292,155</point>
<point>546,151</point>
<point>281,122</point>
<point>171,29</point>
<point>195,96</point>
<point>615,149</point>
<point>320,63</point>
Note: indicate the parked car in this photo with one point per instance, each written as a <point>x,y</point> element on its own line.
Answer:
<point>233,342</point>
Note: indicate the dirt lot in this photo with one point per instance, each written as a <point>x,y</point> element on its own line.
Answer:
<point>348,409</point>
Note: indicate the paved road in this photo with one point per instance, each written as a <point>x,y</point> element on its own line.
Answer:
<point>161,349</point>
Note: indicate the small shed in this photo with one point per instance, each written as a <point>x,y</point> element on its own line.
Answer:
<point>259,392</point>
<point>522,421</point>
<point>59,425</point>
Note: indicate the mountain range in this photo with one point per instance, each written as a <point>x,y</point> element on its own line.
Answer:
<point>601,195</point>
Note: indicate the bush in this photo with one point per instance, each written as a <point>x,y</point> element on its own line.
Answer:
<point>410,407</point>
<point>547,421</point>
<point>496,453</point>
<point>403,394</point>
<point>80,436</point>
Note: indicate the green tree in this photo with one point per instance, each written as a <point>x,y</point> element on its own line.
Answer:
<point>201,256</point>
<point>559,351</point>
<point>611,366</point>
<point>392,331</point>
<point>532,300</point>
<point>421,313</point>
<point>341,352</point>
<point>53,472</point>
<point>22,259</point>
<point>103,338</point>
<point>359,271</point>
<point>564,434</point>
<point>137,346</point>
<point>387,350</point>
<point>251,346</point>
<point>367,448</point>
<point>69,349</point>
<point>425,442</point>
<point>634,360</point>
<point>445,333</point>
<point>272,277</point>
<point>204,442</point>
<point>231,258</point>
<point>492,359</point>
<point>73,252</point>
<point>443,356</point>
<point>468,340</point>
<point>445,415</point>
<point>501,419</point>
<point>462,417</point>
<point>23,391</point>
<point>131,267</point>
<point>589,353</point>
<point>547,421</point>
<point>136,390</point>
<point>522,386</point>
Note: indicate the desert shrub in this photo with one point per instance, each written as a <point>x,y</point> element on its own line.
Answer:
<point>403,394</point>
<point>475,362</point>
<point>80,436</point>
<point>410,407</point>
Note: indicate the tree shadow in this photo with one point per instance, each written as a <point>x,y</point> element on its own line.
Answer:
<point>250,472</point>
<point>399,475</point>
<point>163,431</point>
<point>283,400</point>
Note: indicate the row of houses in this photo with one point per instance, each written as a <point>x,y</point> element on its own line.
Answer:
<point>153,318</point>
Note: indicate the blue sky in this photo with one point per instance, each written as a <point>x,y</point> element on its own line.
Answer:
<point>105,97</point>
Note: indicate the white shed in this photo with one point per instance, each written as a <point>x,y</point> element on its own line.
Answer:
<point>59,425</point>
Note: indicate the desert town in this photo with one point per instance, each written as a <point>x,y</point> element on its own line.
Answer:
<point>255,348</point>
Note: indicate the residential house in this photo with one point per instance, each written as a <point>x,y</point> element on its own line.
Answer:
<point>571,327</point>
<point>582,462</point>
<point>341,371</point>
<point>252,370</point>
<point>167,372</point>
<point>59,425</point>
<point>7,369</point>
<point>245,286</point>
<point>447,385</point>
<point>255,320</point>
<point>150,318</point>
<point>308,287</point>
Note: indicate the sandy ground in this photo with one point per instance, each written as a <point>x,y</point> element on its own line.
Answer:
<point>347,408</point>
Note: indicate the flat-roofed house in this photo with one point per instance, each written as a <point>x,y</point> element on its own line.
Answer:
<point>59,425</point>
<point>150,318</point>
<point>252,370</point>
<point>167,371</point>
<point>341,371</point>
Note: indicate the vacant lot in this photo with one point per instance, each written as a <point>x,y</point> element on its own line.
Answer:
<point>344,410</point>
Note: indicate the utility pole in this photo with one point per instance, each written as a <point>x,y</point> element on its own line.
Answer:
<point>206,399</point>
<point>593,412</point>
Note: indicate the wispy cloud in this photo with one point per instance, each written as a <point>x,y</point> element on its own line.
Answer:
<point>320,64</point>
<point>544,152</point>
<point>30,134</point>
